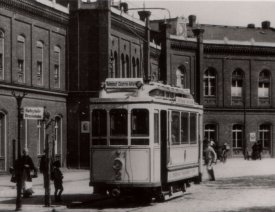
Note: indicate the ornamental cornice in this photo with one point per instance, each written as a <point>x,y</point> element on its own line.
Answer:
<point>183,45</point>
<point>237,49</point>
<point>34,9</point>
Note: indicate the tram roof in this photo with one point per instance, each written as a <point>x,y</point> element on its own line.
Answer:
<point>134,90</point>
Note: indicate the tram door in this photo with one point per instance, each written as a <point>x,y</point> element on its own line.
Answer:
<point>164,141</point>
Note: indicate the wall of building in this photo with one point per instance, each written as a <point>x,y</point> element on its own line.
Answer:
<point>19,20</point>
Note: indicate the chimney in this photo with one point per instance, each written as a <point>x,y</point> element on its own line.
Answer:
<point>192,20</point>
<point>251,26</point>
<point>266,24</point>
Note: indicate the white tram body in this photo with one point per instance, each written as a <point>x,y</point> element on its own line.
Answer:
<point>145,139</point>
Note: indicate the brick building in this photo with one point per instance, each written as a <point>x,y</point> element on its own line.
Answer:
<point>59,56</point>
<point>33,36</point>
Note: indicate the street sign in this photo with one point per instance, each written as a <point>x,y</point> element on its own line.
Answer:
<point>33,112</point>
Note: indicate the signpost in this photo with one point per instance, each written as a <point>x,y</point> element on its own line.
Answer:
<point>33,113</point>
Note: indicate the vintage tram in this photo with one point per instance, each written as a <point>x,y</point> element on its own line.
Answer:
<point>145,139</point>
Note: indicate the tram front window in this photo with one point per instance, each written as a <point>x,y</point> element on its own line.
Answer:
<point>175,128</point>
<point>140,126</point>
<point>99,127</point>
<point>118,127</point>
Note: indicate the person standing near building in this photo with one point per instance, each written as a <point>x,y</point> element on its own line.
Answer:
<point>210,157</point>
<point>57,178</point>
<point>23,168</point>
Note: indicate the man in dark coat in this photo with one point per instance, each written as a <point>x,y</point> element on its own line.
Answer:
<point>23,168</point>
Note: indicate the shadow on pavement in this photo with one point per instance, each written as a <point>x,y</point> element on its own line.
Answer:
<point>250,182</point>
<point>254,209</point>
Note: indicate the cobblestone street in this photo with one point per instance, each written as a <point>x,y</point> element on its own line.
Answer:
<point>240,186</point>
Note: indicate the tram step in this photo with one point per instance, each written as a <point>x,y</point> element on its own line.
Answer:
<point>174,195</point>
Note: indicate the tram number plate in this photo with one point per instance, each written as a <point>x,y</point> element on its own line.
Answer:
<point>182,174</point>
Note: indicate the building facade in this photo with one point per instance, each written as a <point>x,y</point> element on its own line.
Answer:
<point>33,42</point>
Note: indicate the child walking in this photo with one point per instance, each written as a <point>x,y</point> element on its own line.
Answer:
<point>57,178</point>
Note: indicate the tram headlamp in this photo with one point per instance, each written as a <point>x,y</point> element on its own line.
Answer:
<point>117,165</point>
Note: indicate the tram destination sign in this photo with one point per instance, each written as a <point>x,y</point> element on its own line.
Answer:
<point>123,83</point>
<point>33,113</point>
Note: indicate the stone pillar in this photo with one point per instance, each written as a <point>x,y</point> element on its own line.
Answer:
<point>198,32</point>
<point>144,16</point>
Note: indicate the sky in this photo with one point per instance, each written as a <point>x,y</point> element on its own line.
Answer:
<point>217,12</point>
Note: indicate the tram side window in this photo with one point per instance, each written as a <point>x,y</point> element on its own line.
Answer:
<point>156,127</point>
<point>99,126</point>
<point>140,122</point>
<point>193,128</point>
<point>118,127</point>
<point>175,128</point>
<point>140,126</point>
<point>118,121</point>
<point>184,128</point>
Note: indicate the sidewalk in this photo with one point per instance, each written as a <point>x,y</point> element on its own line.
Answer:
<point>76,184</point>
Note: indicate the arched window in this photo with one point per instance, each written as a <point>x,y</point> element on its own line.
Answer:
<point>41,137</point>
<point>237,83</point>
<point>264,84</point>
<point>58,135</point>
<point>21,58</point>
<point>39,62</point>
<point>265,135</point>
<point>138,68</point>
<point>2,45</point>
<point>128,70</point>
<point>134,67</point>
<point>115,65</point>
<point>123,66</point>
<point>181,77</point>
<point>237,136</point>
<point>209,82</point>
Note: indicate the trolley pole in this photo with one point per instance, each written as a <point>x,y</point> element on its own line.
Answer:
<point>19,99</point>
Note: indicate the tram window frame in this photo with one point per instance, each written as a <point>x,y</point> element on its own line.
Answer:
<point>193,129</point>
<point>184,131</point>
<point>175,131</point>
<point>145,123</point>
<point>156,127</point>
<point>122,130</point>
<point>99,130</point>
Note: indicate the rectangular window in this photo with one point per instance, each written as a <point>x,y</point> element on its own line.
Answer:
<point>156,127</point>
<point>140,126</point>
<point>263,90</point>
<point>118,127</point>
<point>193,128</point>
<point>20,66</point>
<point>2,135</point>
<point>39,73</point>
<point>175,128</point>
<point>56,75</point>
<point>236,88</point>
<point>1,65</point>
<point>184,128</point>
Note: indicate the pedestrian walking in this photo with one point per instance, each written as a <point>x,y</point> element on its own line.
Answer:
<point>210,157</point>
<point>225,149</point>
<point>23,168</point>
<point>57,178</point>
